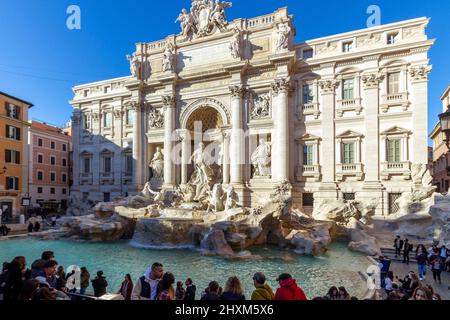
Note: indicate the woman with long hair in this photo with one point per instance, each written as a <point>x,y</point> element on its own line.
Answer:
<point>233,290</point>
<point>14,278</point>
<point>422,260</point>
<point>343,294</point>
<point>422,293</point>
<point>333,294</point>
<point>179,293</point>
<point>166,291</point>
<point>126,288</point>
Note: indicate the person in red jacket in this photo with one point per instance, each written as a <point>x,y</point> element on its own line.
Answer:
<point>289,290</point>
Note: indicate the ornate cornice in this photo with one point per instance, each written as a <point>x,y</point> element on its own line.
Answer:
<point>328,86</point>
<point>372,80</point>
<point>169,101</point>
<point>420,73</point>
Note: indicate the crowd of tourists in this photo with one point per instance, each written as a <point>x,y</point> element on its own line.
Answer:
<point>46,280</point>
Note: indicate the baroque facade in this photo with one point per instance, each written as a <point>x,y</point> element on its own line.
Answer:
<point>340,117</point>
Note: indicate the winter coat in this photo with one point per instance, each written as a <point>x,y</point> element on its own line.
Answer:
<point>99,285</point>
<point>289,290</point>
<point>228,296</point>
<point>264,293</point>
<point>210,297</point>
<point>190,293</point>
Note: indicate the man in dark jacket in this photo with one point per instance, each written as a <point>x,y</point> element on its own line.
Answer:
<point>406,251</point>
<point>99,284</point>
<point>38,266</point>
<point>212,292</point>
<point>190,290</point>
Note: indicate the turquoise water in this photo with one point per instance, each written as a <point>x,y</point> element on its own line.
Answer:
<point>339,267</point>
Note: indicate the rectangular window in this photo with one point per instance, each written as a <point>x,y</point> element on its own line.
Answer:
<point>64,178</point>
<point>12,110</point>
<point>348,89</point>
<point>52,190</point>
<point>393,150</point>
<point>64,162</point>
<point>52,176</point>
<point>392,38</point>
<point>64,191</point>
<point>87,122</point>
<point>12,132</point>
<point>52,145</point>
<point>308,54</point>
<point>107,120</point>
<point>40,175</point>
<point>393,83</point>
<point>40,143</point>
<point>348,153</point>
<point>87,165</point>
<point>107,162</point>
<point>12,156</point>
<point>40,158</point>
<point>64,147</point>
<point>86,93</point>
<point>130,117</point>
<point>52,161</point>
<point>12,183</point>
<point>308,153</point>
<point>129,164</point>
<point>107,89</point>
<point>106,197</point>
<point>349,197</point>
<point>308,96</point>
<point>40,190</point>
<point>308,200</point>
<point>347,46</point>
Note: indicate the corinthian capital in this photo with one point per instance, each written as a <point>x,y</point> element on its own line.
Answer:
<point>420,73</point>
<point>168,101</point>
<point>238,91</point>
<point>281,86</point>
<point>372,80</point>
<point>328,86</point>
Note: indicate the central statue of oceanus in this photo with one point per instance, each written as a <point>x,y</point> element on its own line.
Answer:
<point>203,173</point>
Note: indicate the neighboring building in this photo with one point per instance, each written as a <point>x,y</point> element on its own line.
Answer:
<point>346,114</point>
<point>13,153</point>
<point>49,176</point>
<point>441,156</point>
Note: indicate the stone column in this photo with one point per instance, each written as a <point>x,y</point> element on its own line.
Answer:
<point>327,188</point>
<point>169,129</point>
<point>76,132</point>
<point>137,143</point>
<point>419,99</point>
<point>280,145</point>
<point>226,158</point>
<point>185,155</point>
<point>237,147</point>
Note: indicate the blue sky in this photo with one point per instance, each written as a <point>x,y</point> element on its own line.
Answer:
<point>41,60</point>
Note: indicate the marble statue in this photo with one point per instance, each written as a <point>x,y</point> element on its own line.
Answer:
<point>203,173</point>
<point>262,158</point>
<point>260,107</point>
<point>283,33</point>
<point>236,44</point>
<point>169,58</point>
<point>421,175</point>
<point>231,199</point>
<point>155,119</point>
<point>157,164</point>
<point>216,199</point>
<point>135,65</point>
<point>204,18</point>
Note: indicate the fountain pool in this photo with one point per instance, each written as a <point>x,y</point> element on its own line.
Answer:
<point>339,267</point>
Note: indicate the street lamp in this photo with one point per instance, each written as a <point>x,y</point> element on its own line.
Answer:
<point>444,119</point>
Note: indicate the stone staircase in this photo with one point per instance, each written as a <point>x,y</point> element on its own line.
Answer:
<point>390,253</point>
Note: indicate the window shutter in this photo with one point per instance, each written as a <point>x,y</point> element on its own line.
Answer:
<point>17,157</point>
<point>18,133</point>
<point>16,183</point>
<point>7,131</point>
<point>8,156</point>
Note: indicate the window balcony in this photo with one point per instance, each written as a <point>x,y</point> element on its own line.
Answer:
<point>107,178</point>
<point>348,105</point>
<point>389,169</point>
<point>309,171</point>
<point>311,109</point>
<point>86,179</point>
<point>349,170</point>
<point>396,99</point>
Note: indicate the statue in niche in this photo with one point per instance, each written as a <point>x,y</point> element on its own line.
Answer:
<point>203,173</point>
<point>262,159</point>
<point>155,119</point>
<point>157,164</point>
<point>283,33</point>
<point>169,58</point>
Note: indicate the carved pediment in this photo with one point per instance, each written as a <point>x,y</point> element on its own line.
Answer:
<point>309,137</point>
<point>396,130</point>
<point>350,134</point>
